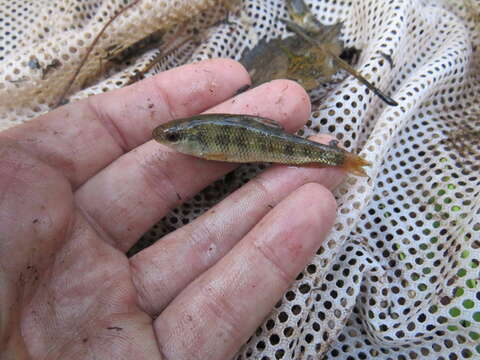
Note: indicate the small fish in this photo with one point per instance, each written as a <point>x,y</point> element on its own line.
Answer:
<point>245,138</point>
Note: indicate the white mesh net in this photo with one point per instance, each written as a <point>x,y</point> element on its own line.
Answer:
<point>399,276</point>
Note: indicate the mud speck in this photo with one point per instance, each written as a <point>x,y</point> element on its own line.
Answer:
<point>117,328</point>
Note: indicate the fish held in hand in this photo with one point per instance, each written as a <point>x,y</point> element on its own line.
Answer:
<point>245,138</point>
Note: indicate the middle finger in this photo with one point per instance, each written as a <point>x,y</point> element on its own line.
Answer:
<point>125,199</point>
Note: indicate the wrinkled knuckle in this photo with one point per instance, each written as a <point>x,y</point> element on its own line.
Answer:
<point>144,296</point>
<point>154,173</point>
<point>228,318</point>
<point>201,237</point>
<point>164,98</point>
<point>261,188</point>
<point>107,123</point>
<point>276,263</point>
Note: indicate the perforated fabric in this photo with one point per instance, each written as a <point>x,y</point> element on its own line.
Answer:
<point>398,278</point>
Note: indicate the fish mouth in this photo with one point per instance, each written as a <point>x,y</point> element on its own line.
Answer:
<point>159,133</point>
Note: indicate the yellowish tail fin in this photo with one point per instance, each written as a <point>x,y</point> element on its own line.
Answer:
<point>354,164</point>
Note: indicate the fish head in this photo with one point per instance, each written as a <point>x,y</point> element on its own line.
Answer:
<point>172,132</point>
<point>181,135</point>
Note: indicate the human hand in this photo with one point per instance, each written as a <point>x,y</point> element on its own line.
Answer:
<point>79,186</point>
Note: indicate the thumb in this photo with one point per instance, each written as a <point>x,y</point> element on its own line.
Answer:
<point>35,206</point>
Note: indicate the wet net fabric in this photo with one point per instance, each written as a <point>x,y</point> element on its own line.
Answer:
<point>399,276</point>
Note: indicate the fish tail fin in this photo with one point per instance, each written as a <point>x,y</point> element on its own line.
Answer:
<point>354,164</point>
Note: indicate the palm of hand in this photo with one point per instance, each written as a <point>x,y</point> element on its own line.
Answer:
<point>73,201</point>
<point>85,304</point>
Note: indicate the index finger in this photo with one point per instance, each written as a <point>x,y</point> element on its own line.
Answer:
<point>84,137</point>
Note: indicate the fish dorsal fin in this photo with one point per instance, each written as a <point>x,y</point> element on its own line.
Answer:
<point>268,122</point>
<point>255,121</point>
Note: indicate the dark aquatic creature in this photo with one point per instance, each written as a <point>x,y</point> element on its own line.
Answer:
<point>294,58</point>
<point>311,56</point>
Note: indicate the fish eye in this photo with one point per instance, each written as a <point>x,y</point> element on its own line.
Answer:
<point>172,136</point>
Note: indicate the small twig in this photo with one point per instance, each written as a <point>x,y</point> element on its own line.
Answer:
<point>90,49</point>
<point>156,59</point>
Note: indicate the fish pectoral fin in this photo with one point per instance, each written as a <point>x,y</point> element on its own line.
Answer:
<point>216,157</point>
